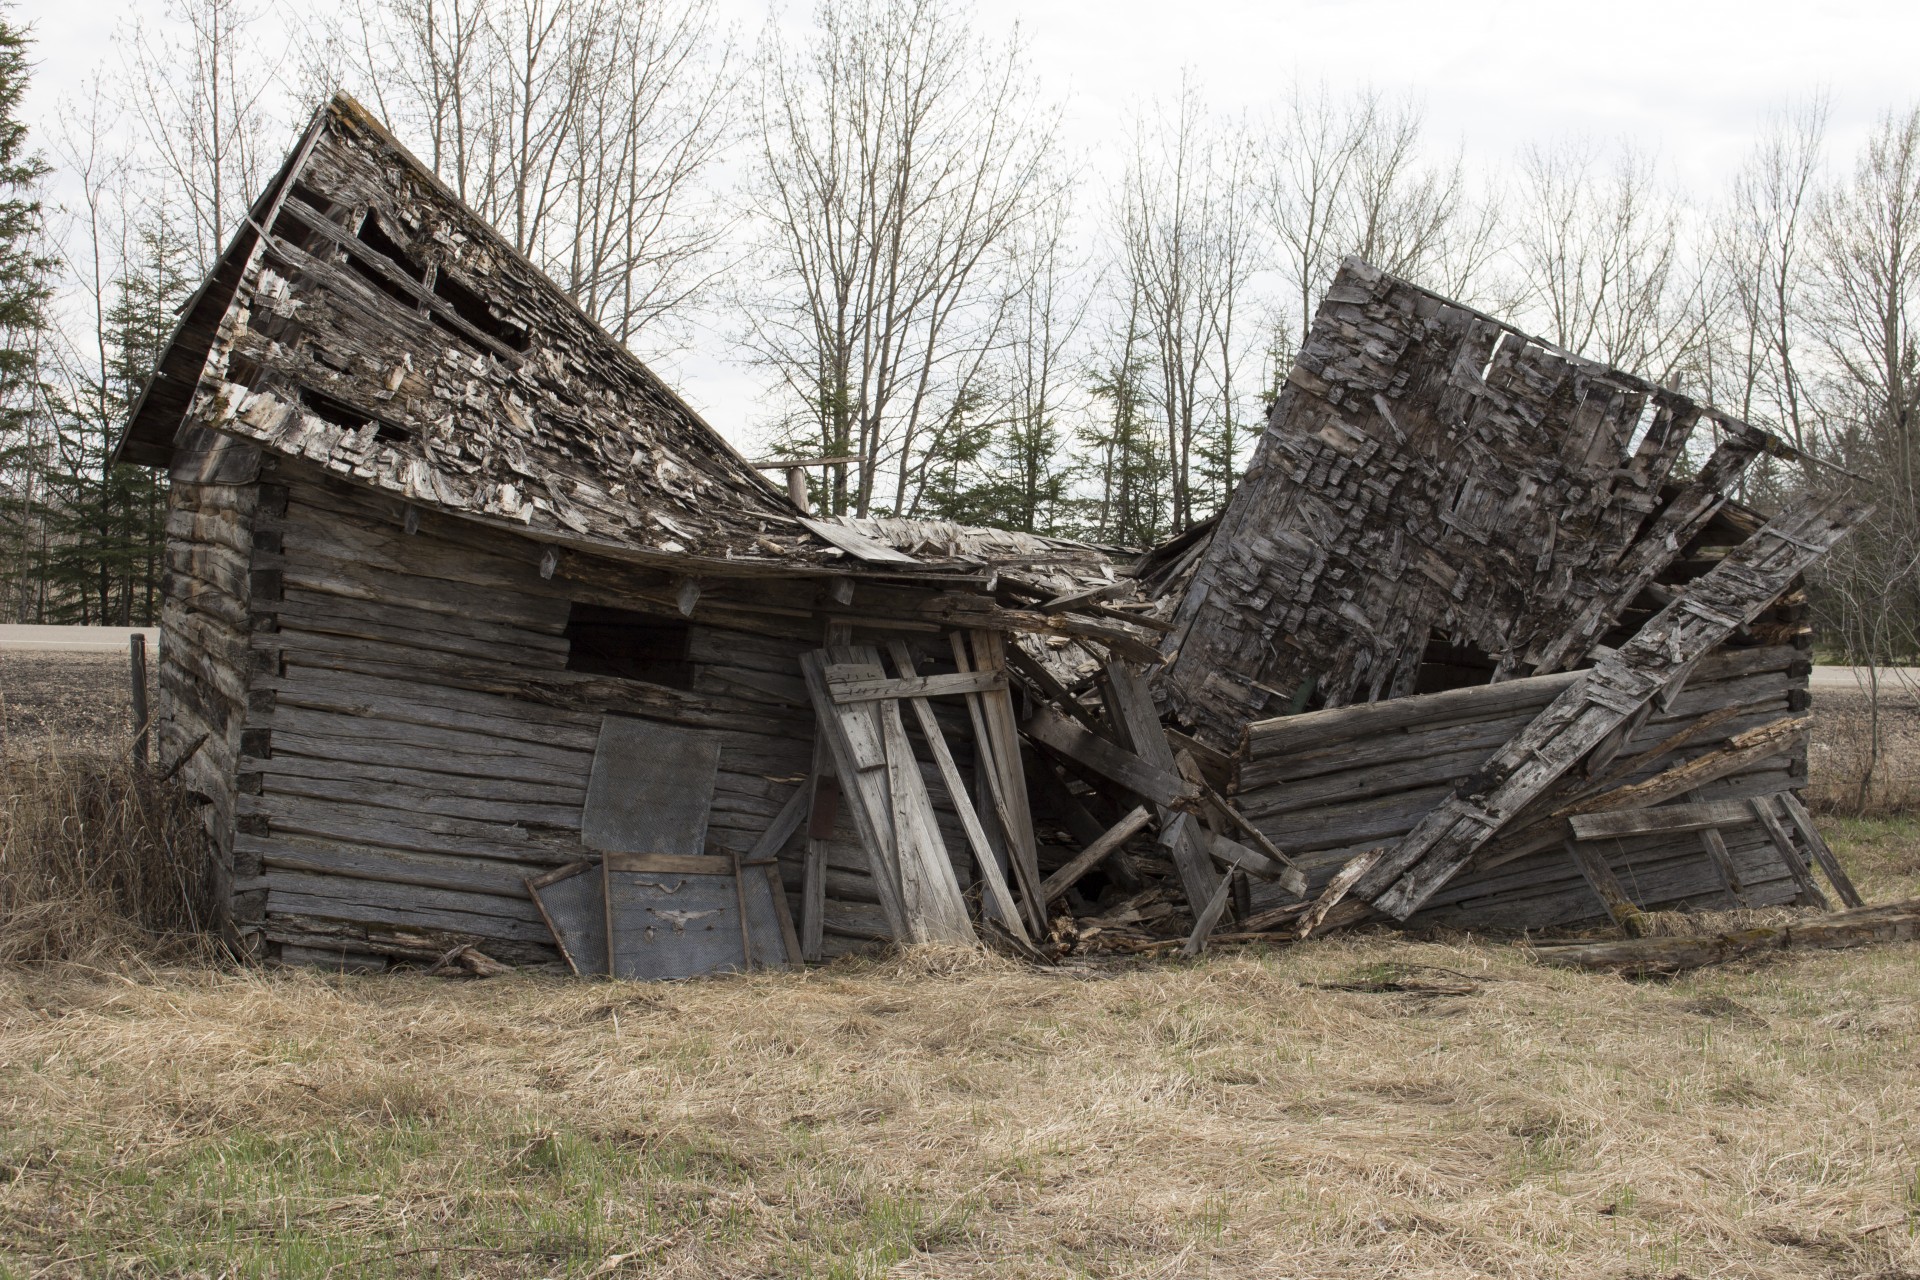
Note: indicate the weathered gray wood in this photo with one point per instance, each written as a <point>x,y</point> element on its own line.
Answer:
<point>995,708</point>
<point>1163,787</point>
<point>1337,889</point>
<point>1606,886</point>
<point>1715,847</point>
<point>663,925</point>
<point>936,686</point>
<point>650,790</point>
<point>1645,957</point>
<point>1132,711</point>
<point>572,900</point>
<point>1810,836</point>
<point>929,888</point>
<point>1665,818</point>
<point>1208,917</point>
<point>1769,819</point>
<point>1096,852</point>
<point>1702,615</point>
<point>999,895</point>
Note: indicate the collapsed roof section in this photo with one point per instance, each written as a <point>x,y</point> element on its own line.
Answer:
<point>1431,472</point>
<point>365,320</point>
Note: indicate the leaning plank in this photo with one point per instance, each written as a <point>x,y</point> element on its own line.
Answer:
<point>1336,890</point>
<point>570,901</point>
<point>1607,887</point>
<point>1702,615</point>
<point>1646,957</point>
<point>1139,727</point>
<point>1790,856</point>
<point>997,752</point>
<point>853,742</point>
<point>1739,751</point>
<point>963,805</point>
<point>1163,787</point>
<point>1810,836</point>
<point>1209,916</point>
<point>1084,861</point>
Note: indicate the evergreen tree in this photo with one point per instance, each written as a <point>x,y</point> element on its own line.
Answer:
<point>109,522</point>
<point>24,291</point>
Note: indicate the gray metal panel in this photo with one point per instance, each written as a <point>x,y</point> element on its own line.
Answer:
<point>673,925</point>
<point>651,788</point>
<point>576,911</point>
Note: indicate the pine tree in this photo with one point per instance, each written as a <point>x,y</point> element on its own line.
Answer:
<point>24,291</point>
<point>108,522</point>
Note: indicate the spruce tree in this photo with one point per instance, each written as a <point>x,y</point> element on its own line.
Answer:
<point>24,290</point>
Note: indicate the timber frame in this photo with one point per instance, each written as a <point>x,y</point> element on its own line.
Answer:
<point>429,529</point>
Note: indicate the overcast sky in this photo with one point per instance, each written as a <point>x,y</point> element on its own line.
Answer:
<point>1689,79</point>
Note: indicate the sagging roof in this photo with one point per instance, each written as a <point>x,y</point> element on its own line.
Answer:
<point>1430,470</point>
<point>364,320</point>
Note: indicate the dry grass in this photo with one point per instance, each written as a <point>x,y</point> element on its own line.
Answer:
<point>1276,1114</point>
<point>77,703</point>
<point>1846,775</point>
<point>99,863</point>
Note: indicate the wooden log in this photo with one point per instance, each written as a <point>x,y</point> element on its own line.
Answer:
<point>1647,957</point>
<point>1656,821</point>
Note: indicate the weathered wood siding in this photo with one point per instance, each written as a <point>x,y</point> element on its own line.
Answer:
<point>1328,785</point>
<point>416,745</point>
<point>204,663</point>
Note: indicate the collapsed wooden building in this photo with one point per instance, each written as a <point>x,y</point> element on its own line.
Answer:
<point>478,642</point>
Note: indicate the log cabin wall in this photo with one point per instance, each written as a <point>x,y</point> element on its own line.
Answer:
<point>1331,784</point>
<point>416,744</point>
<point>203,661</point>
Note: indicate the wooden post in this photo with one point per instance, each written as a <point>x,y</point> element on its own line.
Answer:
<point>1607,887</point>
<point>797,489</point>
<point>142,725</point>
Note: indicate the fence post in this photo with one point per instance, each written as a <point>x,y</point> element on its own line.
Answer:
<point>142,726</point>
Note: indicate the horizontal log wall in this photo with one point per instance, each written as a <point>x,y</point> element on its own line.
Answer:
<point>1328,785</point>
<point>415,745</point>
<point>203,661</point>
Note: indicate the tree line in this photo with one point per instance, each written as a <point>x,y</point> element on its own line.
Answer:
<point>875,210</point>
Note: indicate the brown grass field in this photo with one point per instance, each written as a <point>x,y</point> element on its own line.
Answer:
<point>1366,1105</point>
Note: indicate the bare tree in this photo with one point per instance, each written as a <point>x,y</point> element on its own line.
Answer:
<point>897,156</point>
<point>584,130</point>
<point>1186,245</point>
<point>1597,250</point>
<point>201,85</point>
<point>1761,246</point>
<point>1351,176</point>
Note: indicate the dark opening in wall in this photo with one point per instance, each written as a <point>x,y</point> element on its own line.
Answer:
<point>473,308</point>
<point>341,414</point>
<point>1452,666</point>
<point>628,645</point>
<point>375,237</point>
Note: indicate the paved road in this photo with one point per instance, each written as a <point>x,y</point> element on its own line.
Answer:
<point>1859,679</point>
<point>73,639</point>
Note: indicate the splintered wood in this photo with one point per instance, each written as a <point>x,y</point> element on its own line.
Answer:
<point>1428,471</point>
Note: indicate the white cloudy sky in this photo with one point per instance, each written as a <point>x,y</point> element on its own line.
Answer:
<point>1692,79</point>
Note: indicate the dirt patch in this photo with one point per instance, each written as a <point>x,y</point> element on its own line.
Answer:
<point>67,702</point>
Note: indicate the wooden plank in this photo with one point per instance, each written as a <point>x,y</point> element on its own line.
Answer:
<point>867,798</point>
<point>999,895</point>
<point>935,686</point>
<point>572,902</point>
<point>1607,887</point>
<point>1084,861</point>
<point>1810,835</point>
<point>936,910</point>
<point>1796,866</point>
<point>857,545</point>
<point>650,790</point>
<point>1016,813</point>
<point>1647,957</point>
<point>1131,709</point>
<point>1209,916</point>
<point>1163,787</point>
<point>1714,845</point>
<point>1655,821</point>
<point>1337,889</point>
<point>670,864</point>
<point>1703,614</point>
